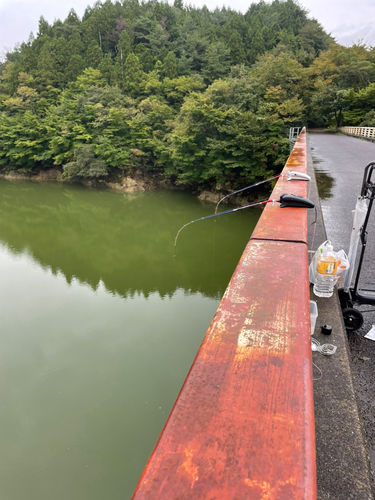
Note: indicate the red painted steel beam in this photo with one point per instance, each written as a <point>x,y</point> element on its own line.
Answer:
<point>243,424</point>
<point>291,223</point>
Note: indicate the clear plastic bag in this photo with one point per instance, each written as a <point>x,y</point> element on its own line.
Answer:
<point>312,267</point>
<point>341,269</point>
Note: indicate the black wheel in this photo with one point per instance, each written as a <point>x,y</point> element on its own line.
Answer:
<point>353,319</point>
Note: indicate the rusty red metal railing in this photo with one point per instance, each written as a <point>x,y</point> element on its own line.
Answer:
<point>242,426</point>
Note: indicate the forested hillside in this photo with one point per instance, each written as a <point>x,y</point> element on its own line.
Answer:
<point>202,98</point>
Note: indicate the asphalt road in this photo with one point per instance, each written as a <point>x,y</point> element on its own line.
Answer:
<point>339,163</point>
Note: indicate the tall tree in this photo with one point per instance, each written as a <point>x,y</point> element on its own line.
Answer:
<point>124,47</point>
<point>93,55</point>
<point>216,62</point>
<point>236,47</point>
<point>107,70</point>
<point>133,75</point>
<point>169,66</point>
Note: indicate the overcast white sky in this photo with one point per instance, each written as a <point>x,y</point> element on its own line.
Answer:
<point>346,21</point>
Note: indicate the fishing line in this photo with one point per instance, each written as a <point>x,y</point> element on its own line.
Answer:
<point>313,236</point>
<point>321,373</point>
<point>245,188</point>
<point>213,253</point>
<point>217,215</point>
<point>286,200</point>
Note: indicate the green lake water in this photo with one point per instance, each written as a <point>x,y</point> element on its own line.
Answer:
<point>99,325</point>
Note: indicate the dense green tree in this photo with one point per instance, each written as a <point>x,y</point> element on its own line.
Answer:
<point>218,143</point>
<point>9,78</point>
<point>359,104</point>
<point>313,38</point>
<point>256,45</point>
<point>142,30</point>
<point>169,66</point>
<point>158,39</point>
<point>93,55</point>
<point>23,141</point>
<point>43,27</point>
<point>237,51</point>
<point>177,89</point>
<point>133,75</point>
<point>184,64</point>
<point>216,62</point>
<point>124,47</point>
<point>368,119</point>
<point>107,70</point>
<point>75,67</point>
<point>195,50</point>
<point>146,59</point>
<point>89,78</point>
<point>85,164</point>
<point>330,102</point>
<point>72,18</point>
<point>203,96</point>
<point>47,73</point>
<point>280,70</point>
<point>75,45</point>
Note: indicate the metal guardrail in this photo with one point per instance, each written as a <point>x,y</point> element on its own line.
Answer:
<point>368,132</point>
<point>293,136</point>
<point>243,424</point>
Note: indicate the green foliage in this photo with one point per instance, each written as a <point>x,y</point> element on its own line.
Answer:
<point>23,141</point>
<point>204,97</point>
<point>368,119</point>
<point>124,47</point>
<point>216,62</point>
<point>133,75</point>
<point>169,66</point>
<point>331,102</point>
<point>146,59</point>
<point>89,78</point>
<point>85,164</point>
<point>177,89</point>
<point>213,142</point>
<point>237,52</point>
<point>93,55</point>
<point>107,70</point>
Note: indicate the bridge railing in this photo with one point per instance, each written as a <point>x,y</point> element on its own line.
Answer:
<point>242,426</point>
<point>368,132</point>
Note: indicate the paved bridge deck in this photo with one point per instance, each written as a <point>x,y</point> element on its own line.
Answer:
<point>341,449</point>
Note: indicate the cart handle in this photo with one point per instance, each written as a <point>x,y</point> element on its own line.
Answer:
<point>367,184</point>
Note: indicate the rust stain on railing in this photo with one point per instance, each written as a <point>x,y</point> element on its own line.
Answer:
<point>242,426</point>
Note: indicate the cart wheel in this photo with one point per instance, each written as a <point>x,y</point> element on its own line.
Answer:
<point>353,319</point>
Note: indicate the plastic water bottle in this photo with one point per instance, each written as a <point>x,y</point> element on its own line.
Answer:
<point>326,273</point>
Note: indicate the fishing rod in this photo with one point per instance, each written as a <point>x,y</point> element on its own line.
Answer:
<point>286,200</point>
<point>291,176</point>
<point>245,188</point>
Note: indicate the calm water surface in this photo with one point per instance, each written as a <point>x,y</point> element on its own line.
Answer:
<point>99,327</point>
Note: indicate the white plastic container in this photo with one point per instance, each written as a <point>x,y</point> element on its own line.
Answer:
<point>313,315</point>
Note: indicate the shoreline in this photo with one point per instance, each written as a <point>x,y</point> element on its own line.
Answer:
<point>136,183</point>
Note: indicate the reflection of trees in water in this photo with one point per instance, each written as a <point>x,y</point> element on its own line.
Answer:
<point>324,181</point>
<point>125,241</point>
